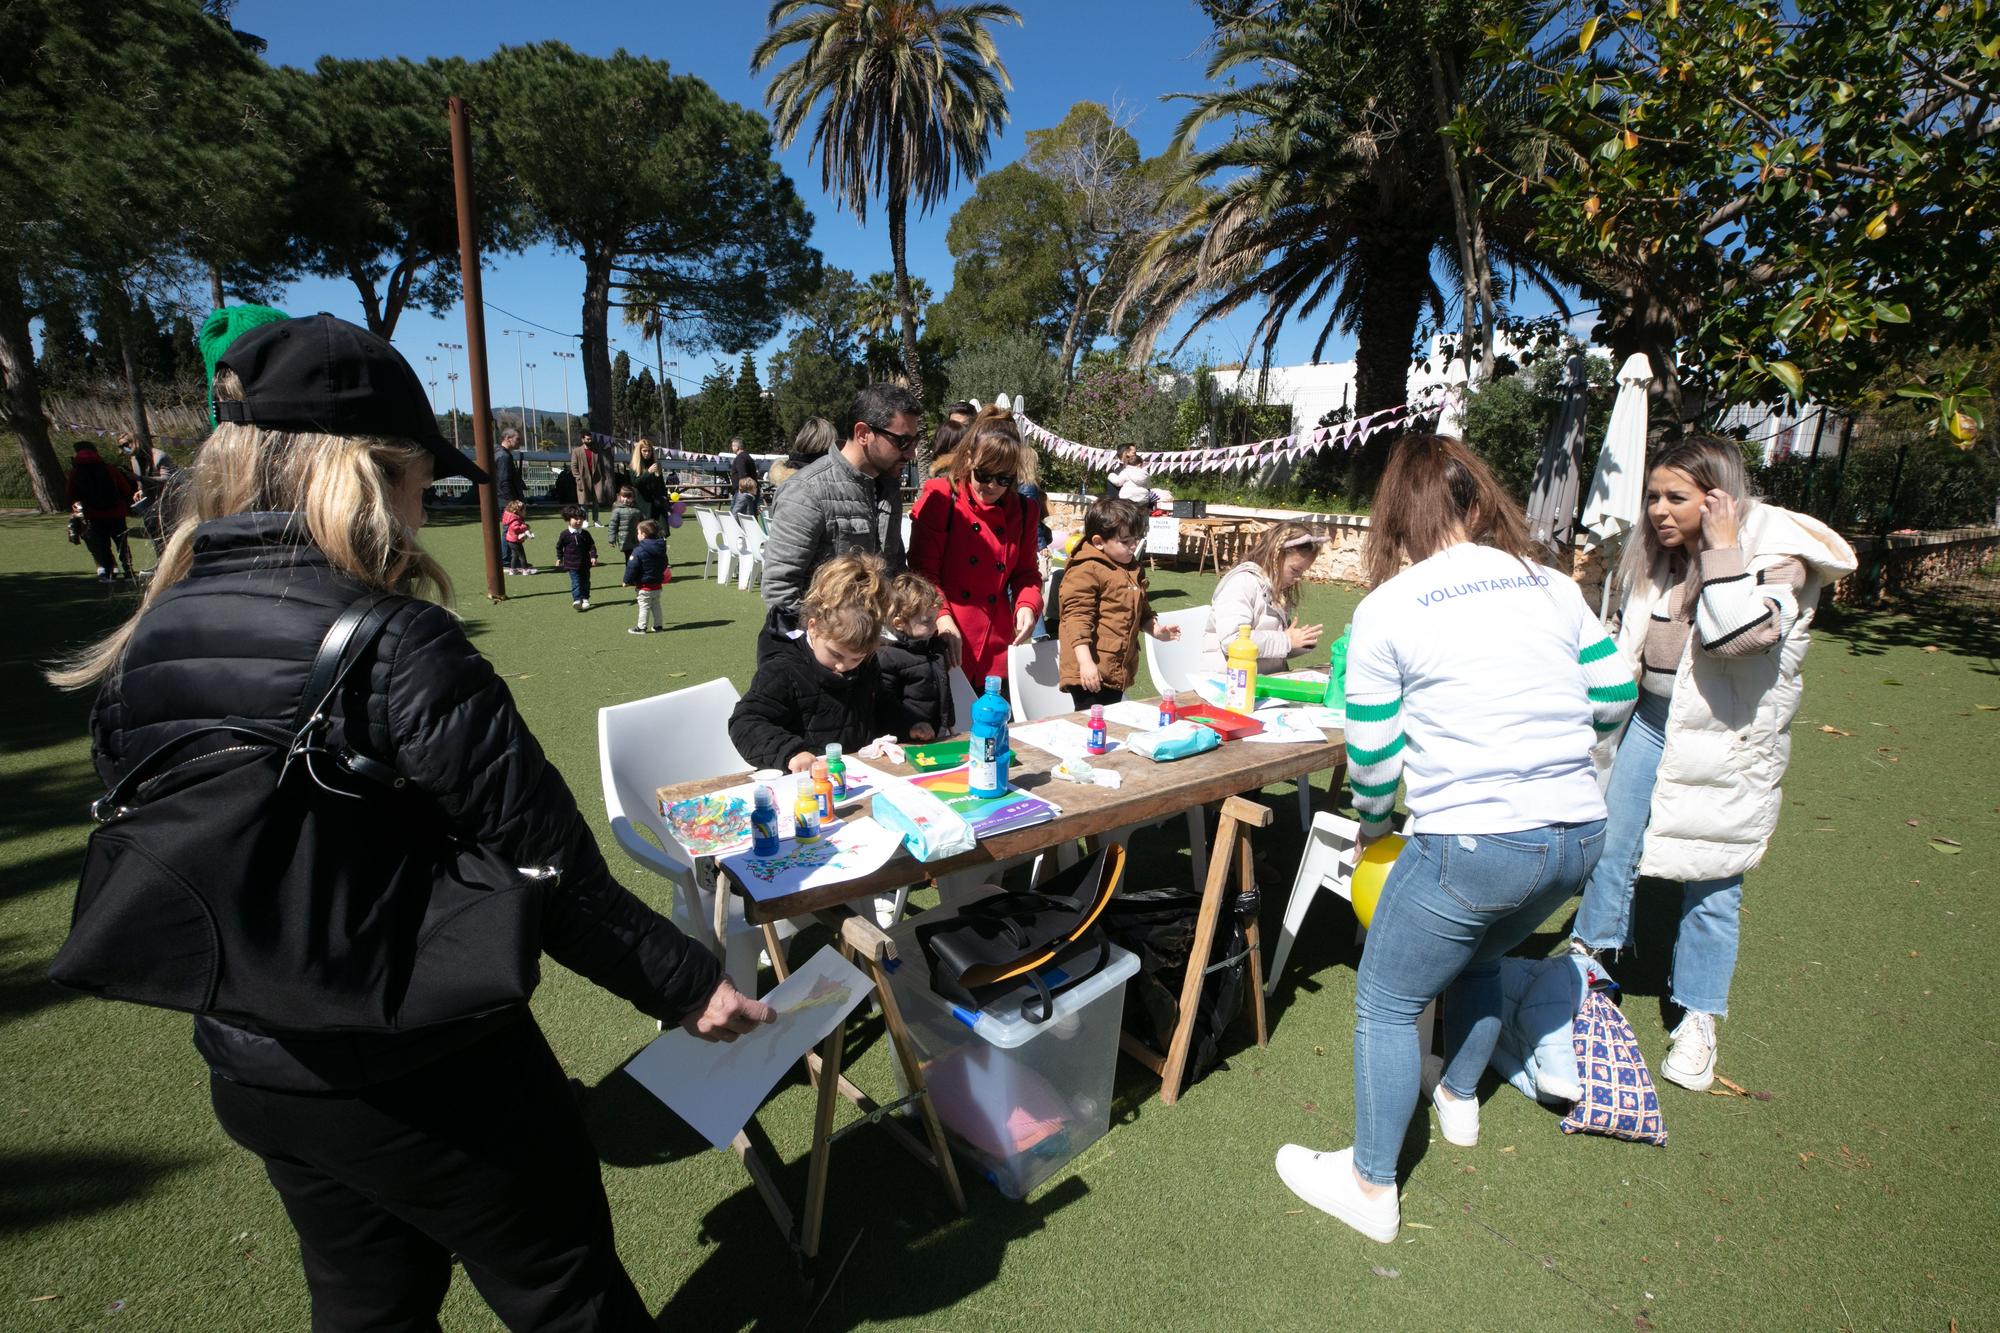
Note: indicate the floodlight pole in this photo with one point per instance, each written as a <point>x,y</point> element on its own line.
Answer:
<point>475,339</point>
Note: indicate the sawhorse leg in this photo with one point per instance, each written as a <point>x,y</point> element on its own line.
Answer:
<point>1232,849</point>
<point>863,942</point>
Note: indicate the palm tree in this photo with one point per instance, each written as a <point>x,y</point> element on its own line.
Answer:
<point>646,311</point>
<point>1336,201</point>
<point>881,308</point>
<point>909,96</point>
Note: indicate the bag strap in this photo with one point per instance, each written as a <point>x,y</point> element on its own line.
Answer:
<point>356,627</point>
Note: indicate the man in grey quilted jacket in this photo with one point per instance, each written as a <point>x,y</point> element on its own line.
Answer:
<point>846,500</point>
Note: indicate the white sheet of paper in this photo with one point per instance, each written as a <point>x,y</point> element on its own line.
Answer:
<point>849,850</point>
<point>1059,736</point>
<point>717,1086</point>
<point>1289,727</point>
<point>1132,713</point>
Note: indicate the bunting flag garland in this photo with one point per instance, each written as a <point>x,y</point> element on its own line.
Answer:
<point>1234,457</point>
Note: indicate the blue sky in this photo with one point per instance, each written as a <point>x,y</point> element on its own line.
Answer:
<point>1066,51</point>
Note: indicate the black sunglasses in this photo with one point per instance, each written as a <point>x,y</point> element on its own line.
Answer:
<point>985,478</point>
<point>904,443</point>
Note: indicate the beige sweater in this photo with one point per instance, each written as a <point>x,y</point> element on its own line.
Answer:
<point>1748,620</point>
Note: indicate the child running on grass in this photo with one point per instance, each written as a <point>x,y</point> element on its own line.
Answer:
<point>576,553</point>
<point>818,684</point>
<point>1104,606</point>
<point>646,569</point>
<point>916,670</point>
<point>515,532</point>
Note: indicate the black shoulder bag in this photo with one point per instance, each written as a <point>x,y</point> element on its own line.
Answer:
<point>257,875</point>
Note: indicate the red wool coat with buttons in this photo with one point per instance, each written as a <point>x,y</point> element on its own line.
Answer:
<point>983,558</point>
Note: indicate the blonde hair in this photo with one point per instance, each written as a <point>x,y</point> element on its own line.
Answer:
<point>991,441</point>
<point>816,437</point>
<point>1268,551</point>
<point>1712,465</point>
<point>338,489</point>
<point>847,601</point>
<point>517,506</point>
<point>912,596</point>
<point>746,486</point>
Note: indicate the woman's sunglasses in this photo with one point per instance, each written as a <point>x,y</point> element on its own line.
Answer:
<point>985,478</point>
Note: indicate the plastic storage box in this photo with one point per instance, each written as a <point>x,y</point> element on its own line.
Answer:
<point>1020,1098</point>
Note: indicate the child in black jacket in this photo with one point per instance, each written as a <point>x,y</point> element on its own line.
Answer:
<point>916,703</point>
<point>818,684</point>
<point>576,552</point>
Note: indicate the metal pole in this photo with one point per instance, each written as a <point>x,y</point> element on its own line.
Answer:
<point>569,421</point>
<point>452,375</point>
<point>529,407</point>
<point>660,369</point>
<point>475,339</point>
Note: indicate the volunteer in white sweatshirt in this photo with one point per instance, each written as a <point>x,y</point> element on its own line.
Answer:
<point>1262,591</point>
<point>1482,679</point>
<point>1719,592</point>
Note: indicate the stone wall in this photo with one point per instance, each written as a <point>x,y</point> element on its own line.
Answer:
<point>1903,561</point>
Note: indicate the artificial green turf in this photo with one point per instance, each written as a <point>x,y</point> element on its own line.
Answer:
<point>1859,1194</point>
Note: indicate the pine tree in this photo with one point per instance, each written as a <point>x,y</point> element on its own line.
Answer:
<point>749,414</point>
<point>623,423</point>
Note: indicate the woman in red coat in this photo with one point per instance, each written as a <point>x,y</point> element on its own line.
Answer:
<point>974,536</point>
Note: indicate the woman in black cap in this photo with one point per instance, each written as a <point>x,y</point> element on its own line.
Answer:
<point>394,1150</point>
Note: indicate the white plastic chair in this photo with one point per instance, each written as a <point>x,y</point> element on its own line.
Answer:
<point>652,743</point>
<point>1179,664</point>
<point>963,696</point>
<point>751,554</point>
<point>1328,864</point>
<point>1034,675</point>
<point>716,550</point>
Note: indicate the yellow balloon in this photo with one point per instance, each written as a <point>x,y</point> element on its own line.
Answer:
<point>1372,873</point>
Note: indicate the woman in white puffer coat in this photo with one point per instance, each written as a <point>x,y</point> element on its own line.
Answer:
<point>1719,593</point>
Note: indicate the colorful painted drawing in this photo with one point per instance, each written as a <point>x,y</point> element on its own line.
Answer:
<point>986,814</point>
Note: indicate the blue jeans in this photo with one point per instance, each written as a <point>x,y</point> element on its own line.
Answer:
<point>1705,949</point>
<point>579,584</point>
<point>1453,904</point>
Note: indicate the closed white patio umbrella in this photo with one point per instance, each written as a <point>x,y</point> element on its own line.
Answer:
<point>1618,487</point>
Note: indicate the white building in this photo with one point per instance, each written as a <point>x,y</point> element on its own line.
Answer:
<point>1314,390</point>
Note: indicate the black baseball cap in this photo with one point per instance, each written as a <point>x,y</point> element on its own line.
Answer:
<point>325,374</point>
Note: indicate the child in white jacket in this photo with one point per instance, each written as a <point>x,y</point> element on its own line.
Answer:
<point>1262,591</point>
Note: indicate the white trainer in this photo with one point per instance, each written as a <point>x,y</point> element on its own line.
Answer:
<point>1326,1180</point>
<point>1691,1063</point>
<point>1458,1120</point>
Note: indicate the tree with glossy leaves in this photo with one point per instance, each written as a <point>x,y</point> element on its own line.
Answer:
<point>908,95</point>
<point>1775,198</point>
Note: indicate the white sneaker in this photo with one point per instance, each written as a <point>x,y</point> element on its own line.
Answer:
<point>1458,1120</point>
<point>1691,1063</point>
<point>1326,1180</point>
<point>583,605</point>
<point>576,603</point>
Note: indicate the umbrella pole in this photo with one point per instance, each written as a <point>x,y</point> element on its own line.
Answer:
<point>1604,592</point>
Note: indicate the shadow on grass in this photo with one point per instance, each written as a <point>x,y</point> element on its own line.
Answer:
<point>1962,619</point>
<point>25,988</point>
<point>886,1215</point>
<point>46,1187</point>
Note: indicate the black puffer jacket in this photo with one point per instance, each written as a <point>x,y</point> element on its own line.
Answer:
<point>796,704</point>
<point>237,636</point>
<point>916,686</point>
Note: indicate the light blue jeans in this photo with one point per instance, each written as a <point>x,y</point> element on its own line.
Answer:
<point>1453,904</point>
<point>1705,948</point>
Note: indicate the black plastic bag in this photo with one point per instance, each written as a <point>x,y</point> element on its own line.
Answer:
<point>1158,925</point>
